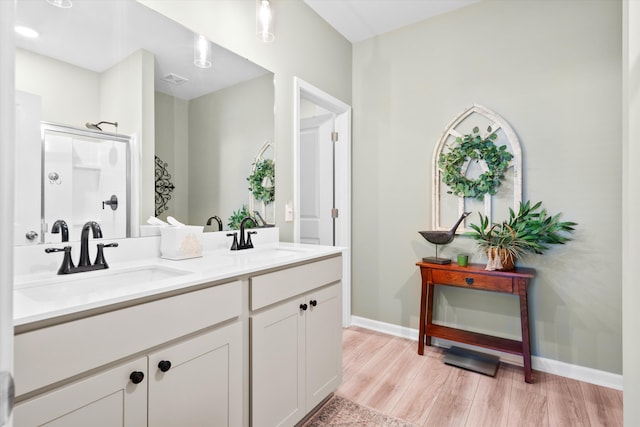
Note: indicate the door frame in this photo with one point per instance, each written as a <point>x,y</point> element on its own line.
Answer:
<point>7,149</point>
<point>303,89</point>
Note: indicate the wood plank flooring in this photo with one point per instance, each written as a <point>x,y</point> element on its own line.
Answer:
<point>385,373</point>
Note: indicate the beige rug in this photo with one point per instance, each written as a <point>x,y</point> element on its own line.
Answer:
<point>340,412</point>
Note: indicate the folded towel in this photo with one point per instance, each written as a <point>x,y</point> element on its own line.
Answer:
<point>171,220</point>
<point>155,221</point>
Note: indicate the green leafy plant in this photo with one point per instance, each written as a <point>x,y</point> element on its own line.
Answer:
<point>473,147</point>
<point>530,230</point>
<point>237,216</point>
<point>262,179</point>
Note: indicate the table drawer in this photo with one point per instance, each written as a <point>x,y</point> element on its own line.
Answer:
<point>472,280</point>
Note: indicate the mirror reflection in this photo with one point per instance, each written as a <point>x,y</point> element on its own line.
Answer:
<point>135,67</point>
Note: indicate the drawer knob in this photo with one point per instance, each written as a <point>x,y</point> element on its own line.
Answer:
<point>164,365</point>
<point>313,303</point>
<point>136,377</point>
<point>303,307</point>
<point>469,280</point>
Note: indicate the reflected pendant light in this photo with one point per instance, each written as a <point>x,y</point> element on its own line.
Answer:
<point>64,4</point>
<point>264,21</point>
<point>201,51</point>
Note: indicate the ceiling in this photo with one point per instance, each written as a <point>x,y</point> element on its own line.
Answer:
<point>97,34</point>
<point>358,20</point>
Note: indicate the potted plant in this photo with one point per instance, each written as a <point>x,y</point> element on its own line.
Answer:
<point>530,230</point>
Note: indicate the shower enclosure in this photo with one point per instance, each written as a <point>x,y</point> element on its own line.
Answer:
<point>85,177</point>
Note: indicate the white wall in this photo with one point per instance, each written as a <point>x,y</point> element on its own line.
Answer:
<point>552,69</point>
<point>127,97</point>
<point>70,95</point>
<point>631,207</point>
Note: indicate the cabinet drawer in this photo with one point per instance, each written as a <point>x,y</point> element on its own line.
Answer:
<point>474,281</point>
<point>270,288</point>
<point>48,355</point>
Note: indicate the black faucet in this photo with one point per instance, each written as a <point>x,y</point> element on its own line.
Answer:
<point>84,241</point>
<point>218,220</point>
<point>67,266</point>
<point>246,244</point>
<point>60,226</point>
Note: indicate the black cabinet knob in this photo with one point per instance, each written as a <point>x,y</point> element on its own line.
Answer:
<point>164,365</point>
<point>136,377</point>
<point>313,303</point>
<point>303,307</point>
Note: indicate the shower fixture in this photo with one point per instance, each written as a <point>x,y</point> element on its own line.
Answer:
<point>96,126</point>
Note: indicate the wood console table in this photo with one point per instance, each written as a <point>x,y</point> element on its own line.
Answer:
<point>474,276</point>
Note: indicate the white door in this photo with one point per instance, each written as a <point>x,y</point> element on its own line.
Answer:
<point>316,180</point>
<point>7,146</point>
<point>312,102</point>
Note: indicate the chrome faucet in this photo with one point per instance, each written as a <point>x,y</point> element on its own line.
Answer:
<point>67,266</point>
<point>60,226</point>
<point>218,220</point>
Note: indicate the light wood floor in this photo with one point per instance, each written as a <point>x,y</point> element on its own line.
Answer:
<point>386,374</point>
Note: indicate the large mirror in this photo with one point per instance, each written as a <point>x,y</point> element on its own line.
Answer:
<point>117,61</point>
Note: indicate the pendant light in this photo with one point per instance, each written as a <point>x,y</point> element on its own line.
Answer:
<point>201,51</point>
<point>264,21</point>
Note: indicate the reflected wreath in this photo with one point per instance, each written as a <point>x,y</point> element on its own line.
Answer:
<point>475,147</point>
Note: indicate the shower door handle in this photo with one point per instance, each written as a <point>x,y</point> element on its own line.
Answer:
<point>113,202</point>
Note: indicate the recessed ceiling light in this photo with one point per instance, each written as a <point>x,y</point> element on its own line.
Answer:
<point>65,4</point>
<point>26,31</point>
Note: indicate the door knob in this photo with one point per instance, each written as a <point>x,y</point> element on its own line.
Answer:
<point>313,303</point>
<point>31,235</point>
<point>303,307</point>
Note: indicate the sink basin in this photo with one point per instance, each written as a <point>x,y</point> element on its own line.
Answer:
<point>265,254</point>
<point>96,285</point>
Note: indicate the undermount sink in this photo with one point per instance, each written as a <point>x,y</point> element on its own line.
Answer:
<point>265,254</point>
<point>95,285</point>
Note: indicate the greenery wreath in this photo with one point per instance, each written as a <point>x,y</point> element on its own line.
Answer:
<point>263,173</point>
<point>474,147</point>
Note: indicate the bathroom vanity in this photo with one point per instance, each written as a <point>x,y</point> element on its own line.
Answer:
<point>228,339</point>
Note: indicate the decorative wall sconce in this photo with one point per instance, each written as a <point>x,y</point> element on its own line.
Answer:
<point>264,21</point>
<point>201,51</point>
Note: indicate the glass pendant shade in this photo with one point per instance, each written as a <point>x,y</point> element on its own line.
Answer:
<point>201,51</point>
<point>65,4</point>
<point>264,21</point>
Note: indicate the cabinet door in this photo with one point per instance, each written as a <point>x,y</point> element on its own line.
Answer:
<point>323,344</point>
<point>277,392</point>
<point>108,399</point>
<point>203,385</point>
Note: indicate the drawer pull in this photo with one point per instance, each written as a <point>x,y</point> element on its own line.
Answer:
<point>164,365</point>
<point>469,280</point>
<point>313,303</point>
<point>136,377</point>
<point>303,307</point>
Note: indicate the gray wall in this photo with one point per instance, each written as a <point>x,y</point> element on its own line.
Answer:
<point>552,69</point>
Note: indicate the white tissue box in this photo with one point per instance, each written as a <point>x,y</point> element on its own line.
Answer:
<point>181,242</point>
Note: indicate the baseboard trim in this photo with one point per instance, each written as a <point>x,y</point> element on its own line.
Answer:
<point>556,367</point>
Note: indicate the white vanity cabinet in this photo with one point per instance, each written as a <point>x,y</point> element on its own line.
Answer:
<point>64,373</point>
<point>198,382</point>
<point>296,341</point>
<point>107,399</point>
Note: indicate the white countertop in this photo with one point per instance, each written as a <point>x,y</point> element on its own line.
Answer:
<point>43,295</point>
